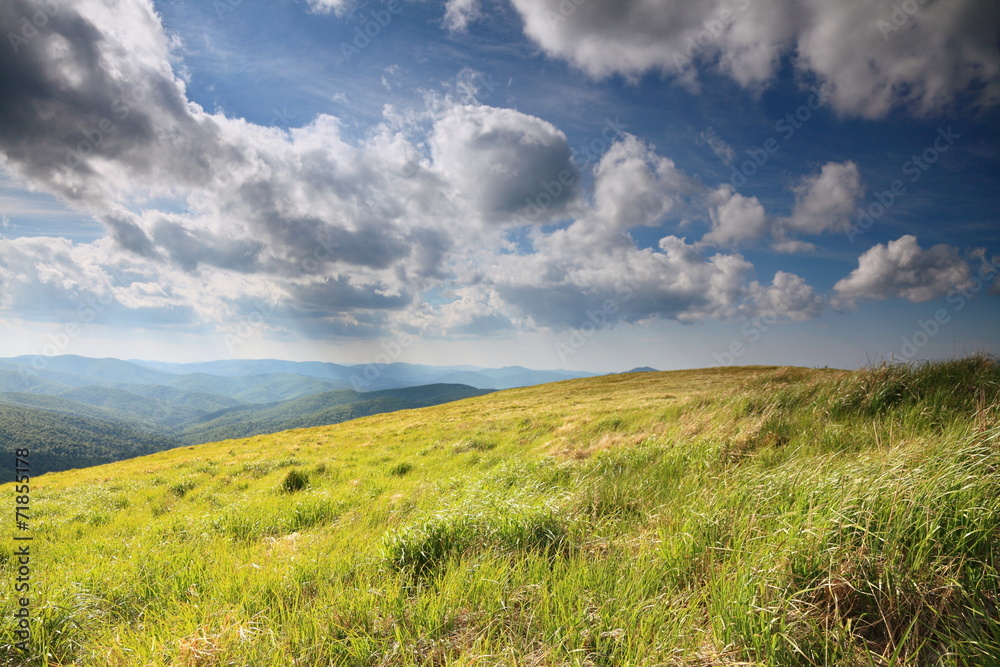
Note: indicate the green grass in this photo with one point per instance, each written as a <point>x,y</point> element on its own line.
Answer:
<point>741,516</point>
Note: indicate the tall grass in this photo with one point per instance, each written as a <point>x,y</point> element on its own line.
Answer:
<point>752,516</point>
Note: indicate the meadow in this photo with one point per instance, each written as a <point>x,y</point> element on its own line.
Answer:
<point>731,516</point>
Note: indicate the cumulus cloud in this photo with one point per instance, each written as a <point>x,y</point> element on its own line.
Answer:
<point>634,186</point>
<point>556,288</point>
<point>926,60</point>
<point>788,296</point>
<point>824,202</point>
<point>735,219</point>
<point>85,110</point>
<point>504,164</point>
<point>339,235</point>
<point>902,269</point>
<point>93,113</point>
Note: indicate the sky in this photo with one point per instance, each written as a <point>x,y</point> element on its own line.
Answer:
<point>581,184</point>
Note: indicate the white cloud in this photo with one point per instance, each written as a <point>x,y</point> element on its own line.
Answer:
<point>824,202</point>
<point>504,166</point>
<point>720,148</point>
<point>735,219</point>
<point>945,50</point>
<point>788,296</point>
<point>347,234</point>
<point>557,286</point>
<point>633,186</point>
<point>460,13</point>
<point>338,7</point>
<point>902,269</point>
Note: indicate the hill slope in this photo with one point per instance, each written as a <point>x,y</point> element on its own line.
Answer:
<point>748,516</point>
<point>59,441</point>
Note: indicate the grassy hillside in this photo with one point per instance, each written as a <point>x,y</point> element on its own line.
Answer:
<point>742,516</point>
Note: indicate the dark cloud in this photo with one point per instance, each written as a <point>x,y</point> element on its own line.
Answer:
<point>869,57</point>
<point>76,109</point>
<point>188,249</point>
<point>511,167</point>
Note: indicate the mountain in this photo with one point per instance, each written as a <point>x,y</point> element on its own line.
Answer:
<point>138,407</point>
<point>164,405</point>
<point>643,369</point>
<point>12,380</point>
<point>203,401</point>
<point>65,406</point>
<point>58,441</point>
<point>318,410</point>
<point>108,370</point>
<point>265,388</point>
<point>373,378</point>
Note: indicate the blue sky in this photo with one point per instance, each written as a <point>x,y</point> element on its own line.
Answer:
<point>587,184</point>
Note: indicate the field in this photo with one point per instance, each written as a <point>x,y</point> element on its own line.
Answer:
<point>738,516</point>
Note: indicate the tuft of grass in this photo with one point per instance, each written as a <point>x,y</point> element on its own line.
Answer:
<point>400,469</point>
<point>295,480</point>
<point>429,546</point>
<point>181,488</point>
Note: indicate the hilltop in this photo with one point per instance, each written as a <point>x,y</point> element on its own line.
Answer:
<point>753,516</point>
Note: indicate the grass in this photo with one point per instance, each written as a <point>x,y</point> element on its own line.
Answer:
<point>741,516</point>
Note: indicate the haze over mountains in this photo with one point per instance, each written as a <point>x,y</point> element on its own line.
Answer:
<point>77,411</point>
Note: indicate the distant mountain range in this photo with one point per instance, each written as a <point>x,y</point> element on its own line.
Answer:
<point>76,411</point>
